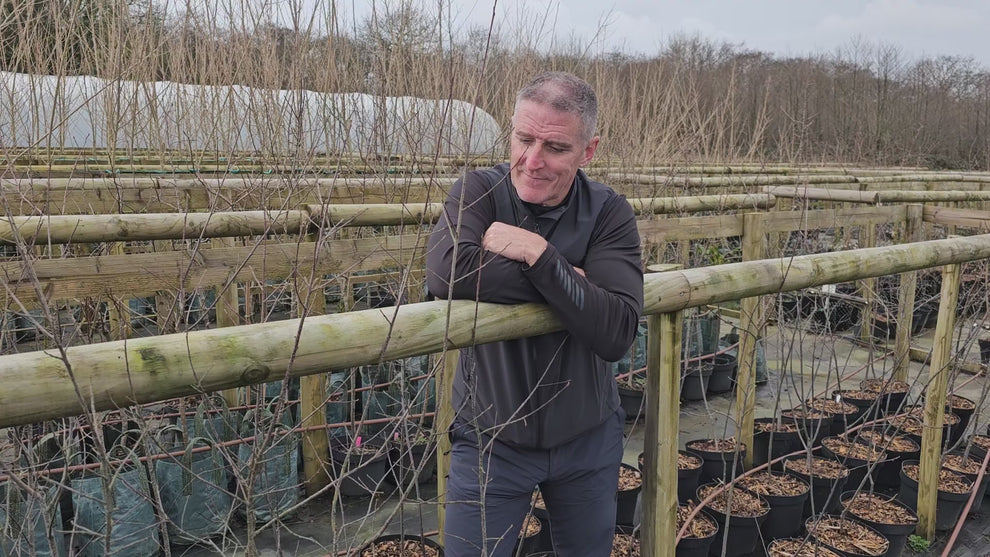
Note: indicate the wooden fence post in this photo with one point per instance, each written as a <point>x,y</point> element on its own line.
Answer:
<point>935,395</point>
<point>310,301</point>
<point>444,417</point>
<point>750,323</point>
<point>906,297</point>
<point>227,311</point>
<point>867,287</point>
<point>663,387</point>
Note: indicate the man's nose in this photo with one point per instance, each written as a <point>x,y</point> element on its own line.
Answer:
<point>534,158</point>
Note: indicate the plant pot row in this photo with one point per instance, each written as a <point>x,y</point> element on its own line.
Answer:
<point>712,375</point>
<point>370,467</point>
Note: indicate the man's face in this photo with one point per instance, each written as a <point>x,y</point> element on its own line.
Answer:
<point>546,151</point>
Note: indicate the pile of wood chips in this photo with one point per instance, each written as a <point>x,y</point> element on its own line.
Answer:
<point>629,478</point>
<point>726,445</point>
<point>782,427</point>
<point>688,462</point>
<point>820,467</point>
<point>396,548</point>
<point>849,536</point>
<point>858,451</point>
<point>769,483</point>
<point>896,443</point>
<point>700,526</point>
<point>882,510</point>
<point>799,548</point>
<point>948,480</point>
<point>743,503</point>
<point>625,545</point>
<point>882,386</point>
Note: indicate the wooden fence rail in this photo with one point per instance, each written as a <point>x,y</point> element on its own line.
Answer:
<point>56,383</point>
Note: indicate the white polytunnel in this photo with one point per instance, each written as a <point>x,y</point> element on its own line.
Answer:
<point>90,112</point>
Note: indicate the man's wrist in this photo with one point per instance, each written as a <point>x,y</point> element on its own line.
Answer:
<point>535,253</point>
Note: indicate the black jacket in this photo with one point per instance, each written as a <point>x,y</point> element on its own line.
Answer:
<point>545,390</point>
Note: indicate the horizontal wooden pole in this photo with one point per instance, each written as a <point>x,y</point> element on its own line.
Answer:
<point>143,274</point>
<point>41,385</point>
<point>823,194</point>
<point>967,218</point>
<point>933,196</point>
<point>59,229</point>
<point>63,229</point>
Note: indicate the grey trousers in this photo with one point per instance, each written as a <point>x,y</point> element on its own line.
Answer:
<point>578,480</point>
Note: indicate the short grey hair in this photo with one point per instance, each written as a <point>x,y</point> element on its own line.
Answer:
<point>564,92</point>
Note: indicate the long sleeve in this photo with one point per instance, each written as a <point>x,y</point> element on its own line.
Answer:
<point>602,310</point>
<point>476,274</point>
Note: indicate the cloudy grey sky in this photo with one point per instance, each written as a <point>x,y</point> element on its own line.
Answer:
<point>783,27</point>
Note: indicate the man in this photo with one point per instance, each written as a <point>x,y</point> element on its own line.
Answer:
<point>543,410</point>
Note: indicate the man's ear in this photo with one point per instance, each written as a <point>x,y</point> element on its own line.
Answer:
<point>589,151</point>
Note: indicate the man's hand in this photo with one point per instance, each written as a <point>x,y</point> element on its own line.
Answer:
<point>514,243</point>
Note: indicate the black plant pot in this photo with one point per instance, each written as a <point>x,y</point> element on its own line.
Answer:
<point>858,468</point>
<point>723,369</point>
<point>836,317</point>
<point>824,495</point>
<point>811,430</point>
<point>632,402</point>
<point>427,542</point>
<point>625,508</point>
<point>697,547</point>
<point>980,489</point>
<point>717,465</point>
<point>948,506</point>
<point>867,407</point>
<point>743,533</point>
<point>688,479</point>
<point>896,534</point>
<point>984,350</point>
<point>696,377</point>
<point>964,414</point>
<point>360,473</point>
<point>770,445</point>
<point>784,519</point>
<point>888,474</point>
<point>809,528</point>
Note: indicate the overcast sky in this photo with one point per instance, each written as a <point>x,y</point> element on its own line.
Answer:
<point>782,27</point>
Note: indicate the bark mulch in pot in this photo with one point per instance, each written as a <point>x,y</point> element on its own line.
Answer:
<point>884,386</point>
<point>848,536</point>
<point>782,427</point>
<point>537,501</point>
<point>880,509</point>
<point>767,483</point>
<point>743,504</point>
<point>688,462</point>
<point>957,402</point>
<point>861,394</point>
<point>625,545</point>
<point>629,478</point>
<point>981,441</point>
<point>895,443</point>
<point>957,463</point>
<point>830,406</point>
<point>400,548</point>
<point>531,527</point>
<point>948,418</point>
<point>820,467</point>
<point>700,527</point>
<point>948,480</point>
<point>798,548</point>
<point>844,448</point>
<point>726,445</point>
